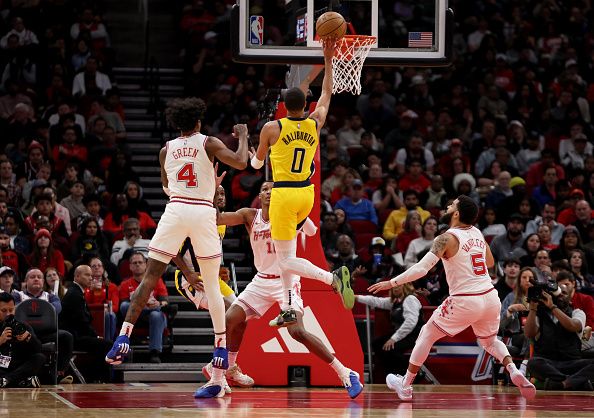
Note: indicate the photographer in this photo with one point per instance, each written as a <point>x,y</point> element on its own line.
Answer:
<point>20,351</point>
<point>556,329</point>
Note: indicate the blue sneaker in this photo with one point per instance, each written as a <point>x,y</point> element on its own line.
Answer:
<point>220,358</point>
<point>210,390</point>
<point>119,351</point>
<point>353,384</point>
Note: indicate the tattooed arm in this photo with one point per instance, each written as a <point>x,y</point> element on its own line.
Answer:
<point>420,269</point>
<point>140,297</point>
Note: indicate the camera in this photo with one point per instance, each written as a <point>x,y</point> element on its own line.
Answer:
<point>535,292</point>
<point>18,328</point>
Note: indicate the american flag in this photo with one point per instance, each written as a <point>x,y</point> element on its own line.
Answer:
<point>420,39</point>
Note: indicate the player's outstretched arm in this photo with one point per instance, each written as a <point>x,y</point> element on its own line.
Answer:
<point>243,216</point>
<point>269,132</point>
<point>420,269</point>
<point>238,159</point>
<point>319,115</point>
<point>191,277</point>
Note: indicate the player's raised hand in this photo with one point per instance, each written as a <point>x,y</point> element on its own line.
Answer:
<point>329,46</point>
<point>380,287</point>
<point>240,131</point>
<point>251,152</point>
<point>218,179</point>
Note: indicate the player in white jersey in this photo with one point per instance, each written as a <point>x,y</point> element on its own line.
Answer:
<point>473,302</point>
<point>266,289</point>
<point>188,178</point>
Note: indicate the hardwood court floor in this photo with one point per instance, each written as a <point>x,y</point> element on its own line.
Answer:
<point>176,400</point>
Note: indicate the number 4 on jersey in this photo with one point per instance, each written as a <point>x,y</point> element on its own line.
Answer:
<point>187,175</point>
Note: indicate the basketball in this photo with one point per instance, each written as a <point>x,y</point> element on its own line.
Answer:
<point>331,25</point>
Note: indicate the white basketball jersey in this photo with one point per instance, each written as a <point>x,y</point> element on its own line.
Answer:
<point>189,170</point>
<point>466,272</point>
<point>263,247</point>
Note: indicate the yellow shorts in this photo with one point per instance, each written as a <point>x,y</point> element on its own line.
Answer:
<point>289,206</point>
<point>183,286</point>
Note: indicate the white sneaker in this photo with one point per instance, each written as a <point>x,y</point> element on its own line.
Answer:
<point>527,389</point>
<point>238,378</point>
<point>396,383</point>
<point>207,372</point>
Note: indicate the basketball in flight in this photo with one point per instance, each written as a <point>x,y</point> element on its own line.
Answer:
<point>331,25</point>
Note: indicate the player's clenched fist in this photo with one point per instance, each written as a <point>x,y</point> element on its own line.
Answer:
<point>240,131</point>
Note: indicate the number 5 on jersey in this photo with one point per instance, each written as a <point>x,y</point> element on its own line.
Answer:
<point>187,175</point>
<point>479,266</point>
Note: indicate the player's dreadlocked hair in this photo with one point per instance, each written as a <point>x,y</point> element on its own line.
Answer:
<point>294,99</point>
<point>184,114</point>
<point>468,210</point>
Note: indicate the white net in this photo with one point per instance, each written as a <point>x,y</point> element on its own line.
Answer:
<point>347,62</point>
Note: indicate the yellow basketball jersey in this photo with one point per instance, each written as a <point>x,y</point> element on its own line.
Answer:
<point>292,155</point>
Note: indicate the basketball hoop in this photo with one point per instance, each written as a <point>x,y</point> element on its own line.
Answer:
<point>347,62</point>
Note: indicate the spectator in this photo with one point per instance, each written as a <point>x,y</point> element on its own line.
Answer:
<point>8,180</point>
<point>544,233</point>
<point>90,81</point>
<point>503,246</point>
<point>69,150</point>
<point>132,242</point>
<point>76,319</point>
<point>557,351</point>
<point>578,301</point>
<point>25,36</point>
<point>12,97</point>
<point>343,226</point>
<point>446,162</point>
<point>345,255</point>
<point>542,265</point>
<point>24,351</point>
<point>357,208</point>
<point>547,218</point>
<point>134,193</point>
<point>381,264</point>
<point>536,172</point>
<point>527,253</point>
<point>102,292</point>
<point>113,119</point>
<point>415,151</point>
<point>465,184</point>
<point>12,258</point>
<point>393,225</point>
<point>74,201</point>
<point>120,172</point>
<point>114,221</point>
<point>53,283</point>
<point>421,244</point>
<point>575,158</point>
<point>583,213</point>
<point>514,308</point>
<point>80,55</point>
<point>500,192</point>
<point>67,107</point>
<point>60,211</point>
<point>406,316</point>
<point>506,284</point>
<point>93,209</point>
<point>339,169</point>
<point>387,197</point>
<point>7,276</point>
<point>329,233</point>
<point>152,311</point>
<point>349,136</point>
<point>584,281</point>
<point>44,254</point>
<point>434,196</point>
<point>332,154</point>
<point>570,240</point>
<point>18,241</point>
<point>43,206</point>
<point>414,178</point>
<point>90,25</point>
<point>411,230</point>
<point>489,225</point>
<point>91,240</point>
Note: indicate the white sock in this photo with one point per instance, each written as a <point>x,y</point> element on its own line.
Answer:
<point>409,378</point>
<point>218,374</point>
<point>339,368</point>
<point>511,368</point>
<point>126,329</point>
<point>232,358</point>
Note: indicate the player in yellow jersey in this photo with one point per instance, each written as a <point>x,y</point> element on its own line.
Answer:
<point>293,142</point>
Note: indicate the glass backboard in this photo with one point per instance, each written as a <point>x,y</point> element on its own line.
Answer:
<point>408,32</point>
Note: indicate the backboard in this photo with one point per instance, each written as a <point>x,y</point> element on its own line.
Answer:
<point>408,32</point>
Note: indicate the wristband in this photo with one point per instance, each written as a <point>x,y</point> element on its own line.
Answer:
<point>255,163</point>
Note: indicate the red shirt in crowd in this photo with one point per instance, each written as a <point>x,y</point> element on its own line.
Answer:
<point>128,286</point>
<point>146,222</point>
<point>99,297</point>
<point>63,153</point>
<point>586,304</point>
<point>57,261</point>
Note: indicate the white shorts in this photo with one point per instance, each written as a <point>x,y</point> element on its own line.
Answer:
<point>481,312</point>
<point>180,220</point>
<point>260,294</point>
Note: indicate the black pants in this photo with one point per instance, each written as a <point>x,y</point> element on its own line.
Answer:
<point>20,370</point>
<point>65,346</point>
<point>97,348</point>
<point>393,361</point>
<point>575,371</point>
